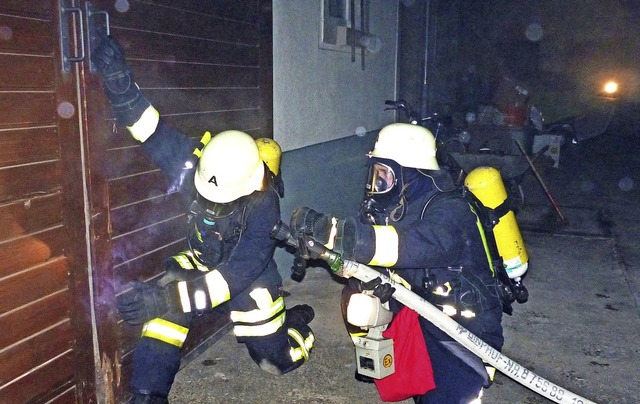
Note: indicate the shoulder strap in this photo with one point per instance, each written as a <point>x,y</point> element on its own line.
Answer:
<point>488,216</point>
<point>273,181</point>
<point>452,194</point>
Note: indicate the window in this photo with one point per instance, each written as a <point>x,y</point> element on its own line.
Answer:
<point>344,26</point>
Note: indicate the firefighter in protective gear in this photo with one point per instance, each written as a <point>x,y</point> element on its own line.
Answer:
<point>410,226</point>
<point>228,256</point>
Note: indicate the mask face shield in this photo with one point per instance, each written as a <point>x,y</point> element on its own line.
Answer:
<point>215,210</point>
<point>380,180</point>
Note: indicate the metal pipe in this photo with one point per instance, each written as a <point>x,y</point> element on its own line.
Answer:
<point>424,95</point>
<point>563,220</point>
<point>362,32</point>
<point>352,11</point>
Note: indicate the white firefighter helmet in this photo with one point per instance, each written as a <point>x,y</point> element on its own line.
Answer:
<point>408,145</point>
<point>230,167</point>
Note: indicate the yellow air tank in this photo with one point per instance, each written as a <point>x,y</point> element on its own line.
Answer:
<point>486,184</point>
<point>270,153</point>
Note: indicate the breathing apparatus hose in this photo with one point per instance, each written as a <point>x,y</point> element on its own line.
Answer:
<point>463,336</point>
<point>309,248</point>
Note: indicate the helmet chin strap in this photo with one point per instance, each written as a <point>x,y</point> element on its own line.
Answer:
<point>397,213</point>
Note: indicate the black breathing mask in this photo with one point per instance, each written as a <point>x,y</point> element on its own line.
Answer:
<point>206,233</point>
<point>383,190</point>
<point>370,211</point>
<point>211,211</point>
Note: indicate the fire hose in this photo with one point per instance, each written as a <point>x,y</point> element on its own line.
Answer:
<point>509,367</point>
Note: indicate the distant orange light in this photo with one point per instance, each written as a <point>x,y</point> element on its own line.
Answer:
<point>611,87</point>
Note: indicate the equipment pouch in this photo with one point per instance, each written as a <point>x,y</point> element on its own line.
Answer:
<point>413,374</point>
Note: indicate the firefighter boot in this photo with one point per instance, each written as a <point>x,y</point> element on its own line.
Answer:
<point>300,314</point>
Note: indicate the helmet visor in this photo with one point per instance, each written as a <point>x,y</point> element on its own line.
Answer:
<point>381,179</point>
<point>216,210</point>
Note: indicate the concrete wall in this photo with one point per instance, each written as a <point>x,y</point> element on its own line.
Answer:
<point>328,177</point>
<point>320,95</point>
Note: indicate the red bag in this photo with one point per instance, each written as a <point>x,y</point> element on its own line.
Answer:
<point>413,374</point>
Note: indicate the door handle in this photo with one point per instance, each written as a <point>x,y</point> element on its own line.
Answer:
<point>92,30</point>
<point>65,39</point>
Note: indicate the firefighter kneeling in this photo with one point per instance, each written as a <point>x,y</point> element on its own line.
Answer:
<point>228,256</point>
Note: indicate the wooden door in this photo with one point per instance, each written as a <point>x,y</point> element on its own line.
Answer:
<point>46,308</point>
<point>82,210</point>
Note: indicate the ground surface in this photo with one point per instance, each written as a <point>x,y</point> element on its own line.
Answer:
<point>579,328</point>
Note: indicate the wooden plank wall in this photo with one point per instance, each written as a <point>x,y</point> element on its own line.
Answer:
<point>45,338</point>
<point>205,65</point>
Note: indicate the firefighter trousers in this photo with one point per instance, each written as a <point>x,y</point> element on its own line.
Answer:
<point>276,342</point>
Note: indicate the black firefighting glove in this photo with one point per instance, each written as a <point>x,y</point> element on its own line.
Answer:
<point>144,302</point>
<point>125,97</point>
<point>337,234</point>
<point>322,228</point>
<point>299,268</point>
<point>308,221</point>
<point>382,291</point>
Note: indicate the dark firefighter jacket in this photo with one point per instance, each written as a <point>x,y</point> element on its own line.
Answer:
<point>248,252</point>
<point>442,237</point>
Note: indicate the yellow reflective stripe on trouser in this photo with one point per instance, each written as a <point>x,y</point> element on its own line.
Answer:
<point>304,345</point>
<point>259,330</point>
<point>146,125</point>
<point>267,308</point>
<point>386,252</point>
<point>165,331</point>
<point>258,315</point>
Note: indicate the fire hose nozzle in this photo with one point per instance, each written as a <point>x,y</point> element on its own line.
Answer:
<point>307,247</point>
